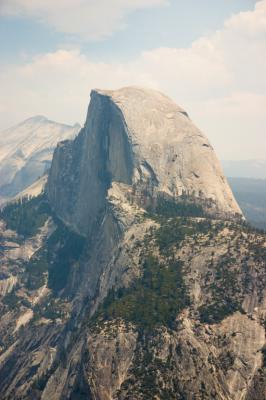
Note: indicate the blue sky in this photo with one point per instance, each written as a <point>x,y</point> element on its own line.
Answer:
<point>208,55</point>
<point>175,25</point>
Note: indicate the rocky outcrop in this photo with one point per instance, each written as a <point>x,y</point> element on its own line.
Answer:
<point>7,285</point>
<point>190,362</point>
<point>141,138</point>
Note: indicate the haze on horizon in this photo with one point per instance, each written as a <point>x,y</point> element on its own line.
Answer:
<point>209,56</point>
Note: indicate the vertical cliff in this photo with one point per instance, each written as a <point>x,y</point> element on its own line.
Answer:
<point>141,138</point>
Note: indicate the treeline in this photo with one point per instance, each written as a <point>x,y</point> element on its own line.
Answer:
<point>170,208</point>
<point>26,215</point>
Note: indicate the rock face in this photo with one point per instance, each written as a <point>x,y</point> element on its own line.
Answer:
<point>27,150</point>
<point>141,138</point>
<point>122,287</point>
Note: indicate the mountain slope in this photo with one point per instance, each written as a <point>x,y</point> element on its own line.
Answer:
<point>189,321</point>
<point>113,287</point>
<point>26,152</point>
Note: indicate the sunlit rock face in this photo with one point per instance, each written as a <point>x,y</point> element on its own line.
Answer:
<point>141,138</point>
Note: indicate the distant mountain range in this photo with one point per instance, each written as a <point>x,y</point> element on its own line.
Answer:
<point>245,168</point>
<point>26,152</point>
<point>251,196</point>
<point>247,179</point>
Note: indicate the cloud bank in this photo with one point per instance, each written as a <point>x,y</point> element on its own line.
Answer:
<point>87,19</point>
<point>220,80</point>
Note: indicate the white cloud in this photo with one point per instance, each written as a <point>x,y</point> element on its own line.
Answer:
<point>220,80</point>
<point>249,23</point>
<point>88,19</point>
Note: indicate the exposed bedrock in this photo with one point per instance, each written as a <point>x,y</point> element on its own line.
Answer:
<point>141,138</point>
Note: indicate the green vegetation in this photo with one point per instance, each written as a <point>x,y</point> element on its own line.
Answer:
<point>173,231</point>
<point>55,258</point>
<point>145,377</point>
<point>153,300</point>
<point>186,207</point>
<point>27,215</point>
<point>217,311</point>
<point>150,376</point>
<point>11,300</point>
<point>258,251</point>
<point>160,294</point>
<point>224,293</point>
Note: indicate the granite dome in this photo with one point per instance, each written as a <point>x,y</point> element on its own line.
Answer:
<point>141,138</point>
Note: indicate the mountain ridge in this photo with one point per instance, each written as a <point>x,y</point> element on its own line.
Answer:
<point>252,168</point>
<point>26,152</point>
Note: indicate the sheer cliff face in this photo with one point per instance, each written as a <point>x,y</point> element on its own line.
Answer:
<point>143,139</point>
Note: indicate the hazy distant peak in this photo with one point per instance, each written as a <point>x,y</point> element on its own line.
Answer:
<point>42,120</point>
<point>36,118</point>
<point>26,151</point>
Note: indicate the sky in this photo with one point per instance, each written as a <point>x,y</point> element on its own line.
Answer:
<point>208,55</point>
